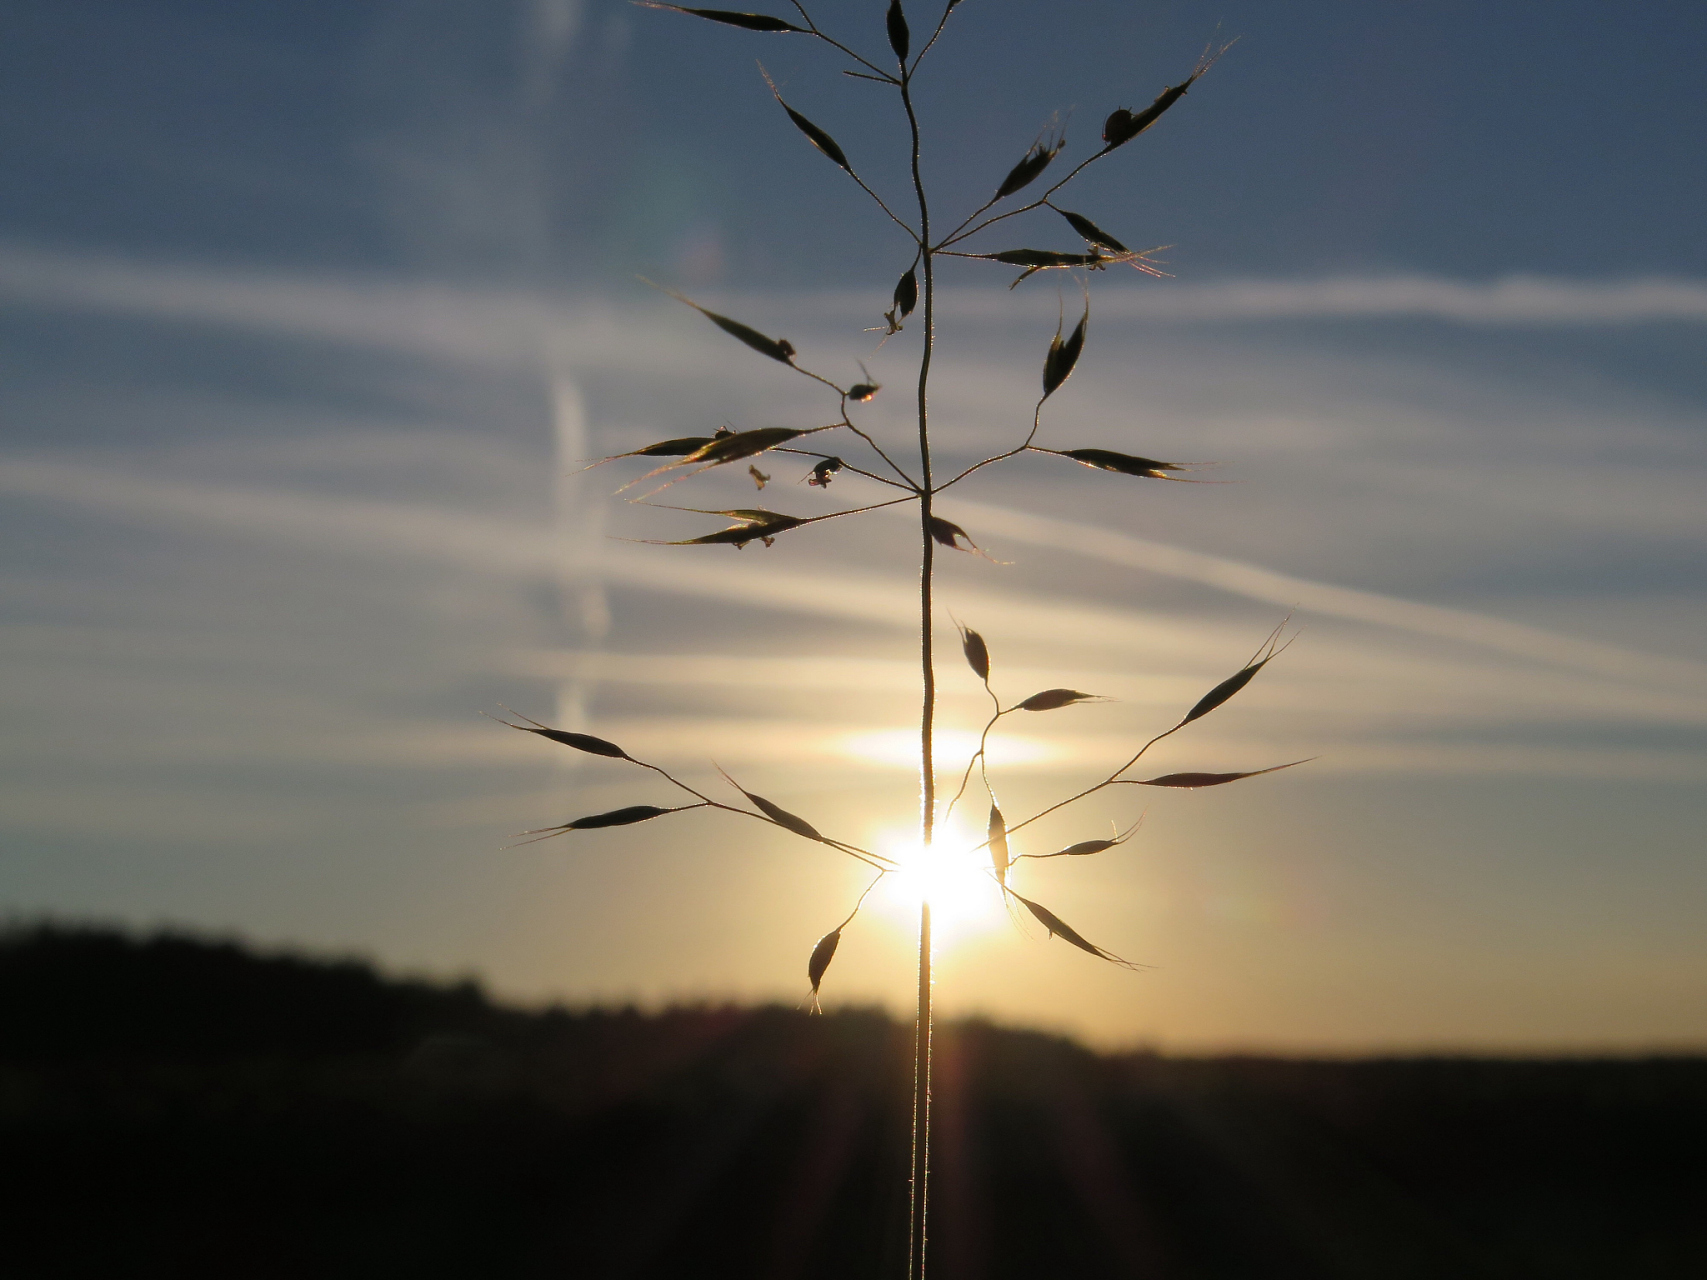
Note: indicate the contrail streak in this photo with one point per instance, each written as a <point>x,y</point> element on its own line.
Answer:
<point>1256,583</point>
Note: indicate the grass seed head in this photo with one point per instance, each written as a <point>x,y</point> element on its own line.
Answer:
<point>823,141</point>
<point>905,298</point>
<point>1122,126</point>
<point>1265,654</point>
<point>616,818</point>
<point>1052,699</point>
<point>998,835</point>
<point>1031,164</point>
<point>1059,928</point>
<point>899,37</point>
<point>747,21</point>
<point>755,524</point>
<point>581,742</point>
<point>1063,355</point>
<point>1084,848</point>
<point>1125,464</point>
<point>819,962</point>
<point>783,818</point>
<point>741,444</point>
<point>1191,781</point>
<point>669,448</point>
<point>1091,233</point>
<point>976,651</point>
<point>946,531</point>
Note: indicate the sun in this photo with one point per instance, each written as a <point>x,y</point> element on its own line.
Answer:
<point>953,875</point>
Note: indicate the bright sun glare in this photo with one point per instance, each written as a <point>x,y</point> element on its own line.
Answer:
<point>953,875</point>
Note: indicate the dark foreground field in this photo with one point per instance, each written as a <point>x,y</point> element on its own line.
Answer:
<point>171,1107</point>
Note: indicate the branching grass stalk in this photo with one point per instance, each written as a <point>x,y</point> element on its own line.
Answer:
<point>689,457</point>
<point>919,1183</point>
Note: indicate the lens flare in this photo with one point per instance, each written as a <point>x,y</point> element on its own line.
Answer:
<point>953,875</point>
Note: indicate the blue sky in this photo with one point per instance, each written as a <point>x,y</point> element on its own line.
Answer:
<point>309,310</point>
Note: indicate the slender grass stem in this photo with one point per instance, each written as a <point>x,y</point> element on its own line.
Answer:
<point>919,1183</point>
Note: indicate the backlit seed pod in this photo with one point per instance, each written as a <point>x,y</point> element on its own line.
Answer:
<point>783,818</point>
<point>669,448</point>
<point>1125,464</point>
<point>907,293</point>
<point>1265,654</point>
<point>946,531</point>
<point>1223,691</point>
<point>755,524</point>
<point>1123,125</point>
<point>822,954</point>
<point>1059,928</point>
<point>1083,849</point>
<point>749,515</point>
<point>1051,699</point>
<point>998,834</point>
<point>776,348</point>
<point>739,535</point>
<point>976,651</point>
<point>741,444</point>
<point>1025,172</point>
<point>1063,355</point>
<point>1037,259</point>
<point>747,21</point>
<point>617,817</point>
<point>896,22</point>
<point>1086,847</point>
<point>1092,233</point>
<point>580,741</point>
<point>823,141</point>
<point>1189,781</point>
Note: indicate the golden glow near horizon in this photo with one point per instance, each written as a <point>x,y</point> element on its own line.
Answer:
<point>953,875</point>
<point>900,747</point>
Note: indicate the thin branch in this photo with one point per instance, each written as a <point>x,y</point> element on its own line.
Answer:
<point>878,879</point>
<point>848,466</point>
<point>886,209</point>
<point>1036,417</point>
<point>818,377</point>
<point>855,511</point>
<point>941,23</point>
<point>863,855</point>
<point>978,755</point>
<point>1106,782</point>
<point>960,233</point>
<point>876,448</point>
<point>812,29</point>
<point>551,833</point>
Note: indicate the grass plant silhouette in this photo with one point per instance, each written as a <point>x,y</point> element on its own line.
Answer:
<point>916,482</point>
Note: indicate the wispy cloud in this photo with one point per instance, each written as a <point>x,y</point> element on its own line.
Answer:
<point>514,326</point>
<point>477,542</point>
<point>1337,681</point>
<point>1510,300</point>
<point>1256,583</point>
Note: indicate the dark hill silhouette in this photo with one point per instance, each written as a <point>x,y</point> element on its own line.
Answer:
<point>179,1107</point>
